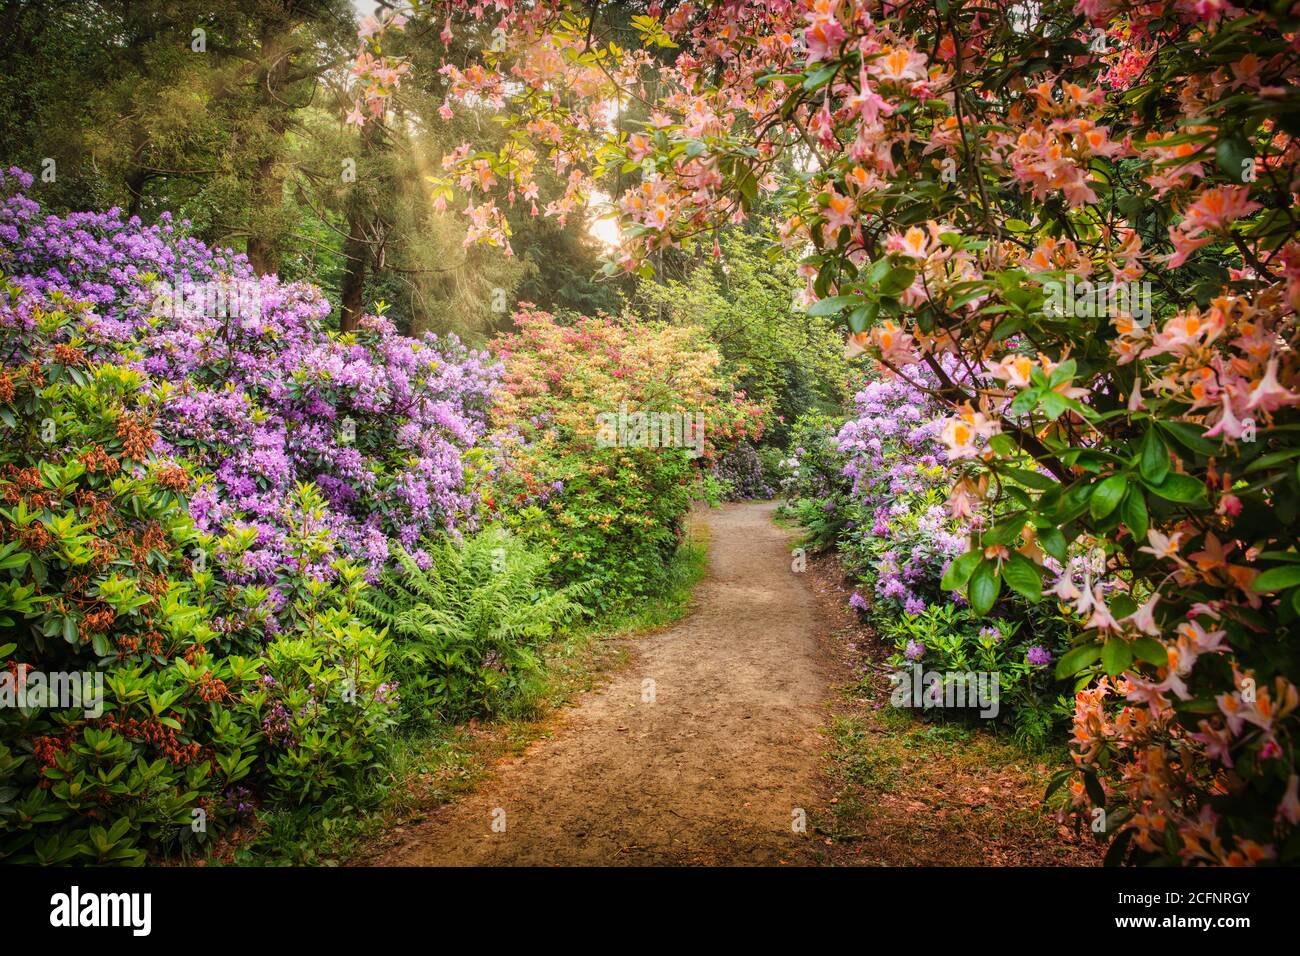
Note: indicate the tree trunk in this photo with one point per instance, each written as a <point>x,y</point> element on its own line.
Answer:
<point>267,191</point>
<point>356,249</point>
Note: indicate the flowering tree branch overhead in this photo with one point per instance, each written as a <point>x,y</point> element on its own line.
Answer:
<point>1078,219</point>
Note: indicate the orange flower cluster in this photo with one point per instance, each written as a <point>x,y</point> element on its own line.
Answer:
<point>47,751</point>
<point>98,621</point>
<point>137,436</point>
<point>173,478</point>
<point>159,736</point>
<point>68,355</point>
<point>96,460</point>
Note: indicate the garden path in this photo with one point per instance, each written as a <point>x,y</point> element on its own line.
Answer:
<point>713,771</point>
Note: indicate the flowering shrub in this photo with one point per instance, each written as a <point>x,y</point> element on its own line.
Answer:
<point>97,577</point>
<point>93,580</point>
<point>904,537</point>
<point>971,161</point>
<point>744,472</point>
<point>955,642</point>
<point>602,509</point>
<point>268,398</point>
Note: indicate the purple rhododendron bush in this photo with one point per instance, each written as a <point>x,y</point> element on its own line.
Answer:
<point>191,501</point>
<point>378,421</point>
<point>876,488</point>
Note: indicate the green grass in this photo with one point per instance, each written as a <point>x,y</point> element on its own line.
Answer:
<point>431,767</point>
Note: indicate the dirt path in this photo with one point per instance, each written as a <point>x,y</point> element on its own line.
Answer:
<point>710,772</point>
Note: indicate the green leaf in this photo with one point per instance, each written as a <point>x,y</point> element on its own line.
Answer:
<point>1077,659</point>
<point>1093,786</point>
<point>863,317</point>
<point>1189,436</point>
<point>1030,479</point>
<point>1153,457</point>
<point>1116,656</point>
<point>959,572</point>
<point>1182,489</point>
<point>1134,514</point>
<point>831,305</point>
<point>1232,155</point>
<point>1023,576</point>
<point>1057,781</point>
<point>821,77</point>
<point>1264,462</point>
<point>984,588</point>
<point>1277,579</point>
<point>1053,542</point>
<point>1118,847</point>
<point>896,280</point>
<point>1107,495</point>
<point>1151,651</point>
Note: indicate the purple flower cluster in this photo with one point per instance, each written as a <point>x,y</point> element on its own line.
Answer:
<point>896,464</point>
<point>380,422</point>
<point>742,469</point>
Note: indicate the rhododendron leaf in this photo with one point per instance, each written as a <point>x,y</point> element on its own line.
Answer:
<point>1153,457</point>
<point>959,571</point>
<point>1004,532</point>
<point>821,77</point>
<point>1116,655</point>
<point>1107,496</point>
<point>1273,458</point>
<point>1003,444</point>
<point>1118,847</point>
<point>1053,542</point>
<point>832,305</point>
<point>1189,436</point>
<point>1054,405</point>
<point>1183,489</point>
<point>863,317</point>
<point>1135,515</point>
<point>1018,496</point>
<point>1058,780</point>
<point>984,588</point>
<point>1096,793</point>
<point>1232,155</point>
<point>1022,576</point>
<point>896,280</point>
<point>878,270</point>
<point>1025,401</point>
<point>1062,373</point>
<point>1074,502</point>
<point>1277,579</point>
<point>1121,605</point>
<point>1151,651</point>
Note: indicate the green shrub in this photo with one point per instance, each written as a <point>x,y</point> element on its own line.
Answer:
<point>103,574</point>
<point>469,626</point>
<point>94,581</point>
<point>949,640</point>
